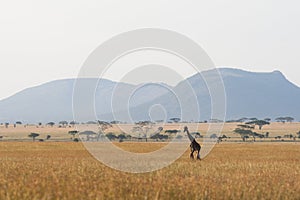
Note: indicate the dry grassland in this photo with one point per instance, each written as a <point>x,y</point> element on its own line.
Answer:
<point>21,133</point>
<point>65,170</point>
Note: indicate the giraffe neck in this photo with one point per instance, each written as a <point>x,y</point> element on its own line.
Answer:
<point>190,136</point>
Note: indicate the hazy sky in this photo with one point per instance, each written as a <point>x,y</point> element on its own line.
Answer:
<point>42,41</point>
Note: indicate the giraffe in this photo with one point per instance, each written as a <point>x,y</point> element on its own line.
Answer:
<point>195,146</point>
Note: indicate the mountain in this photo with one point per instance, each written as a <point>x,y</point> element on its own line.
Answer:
<point>248,94</point>
<point>261,95</point>
<point>53,101</point>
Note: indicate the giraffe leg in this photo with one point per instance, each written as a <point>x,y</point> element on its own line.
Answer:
<point>192,155</point>
<point>198,155</point>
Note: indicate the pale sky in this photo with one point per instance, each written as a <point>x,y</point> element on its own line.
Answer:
<point>42,41</point>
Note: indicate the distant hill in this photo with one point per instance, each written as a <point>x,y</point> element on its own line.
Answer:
<point>53,101</point>
<point>249,94</point>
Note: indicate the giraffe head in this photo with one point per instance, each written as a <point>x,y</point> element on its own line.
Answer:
<point>185,129</point>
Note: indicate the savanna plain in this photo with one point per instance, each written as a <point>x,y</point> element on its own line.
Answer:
<point>233,170</point>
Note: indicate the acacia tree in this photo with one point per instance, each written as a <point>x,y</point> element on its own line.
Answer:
<point>157,134</point>
<point>73,133</point>
<point>111,136</point>
<point>51,124</point>
<point>33,136</point>
<point>259,123</point>
<point>63,123</point>
<point>18,123</point>
<point>143,127</point>
<point>268,119</point>
<point>289,119</point>
<point>73,123</point>
<point>102,126</point>
<point>245,126</point>
<point>246,132</point>
<point>285,119</point>
<point>175,119</point>
<point>242,119</point>
<point>88,135</point>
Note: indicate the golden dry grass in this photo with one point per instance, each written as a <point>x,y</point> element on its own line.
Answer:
<point>65,170</point>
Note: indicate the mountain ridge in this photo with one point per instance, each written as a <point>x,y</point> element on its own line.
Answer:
<point>249,94</point>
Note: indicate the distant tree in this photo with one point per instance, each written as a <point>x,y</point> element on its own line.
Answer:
<point>88,134</point>
<point>19,123</point>
<point>156,135</point>
<point>73,133</point>
<point>104,125</point>
<point>91,122</point>
<point>245,137</point>
<point>285,119</point>
<point>257,135</point>
<point>298,134</point>
<point>175,119</point>
<point>115,122</point>
<point>48,137</point>
<point>213,136</point>
<point>143,128</point>
<point>159,136</point>
<point>259,123</point>
<point>280,119</point>
<point>277,137</point>
<point>215,121</point>
<point>253,119</point>
<point>267,119</point>
<point>33,136</point>
<point>172,131</point>
<point>245,126</point>
<point>40,124</point>
<point>220,139</point>
<point>242,119</point>
<point>63,123</point>
<point>51,124</point>
<point>244,133</point>
<point>73,123</point>
<point>267,134</point>
<point>121,137</point>
<point>289,119</point>
<point>111,136</point>
<point>6,125</point>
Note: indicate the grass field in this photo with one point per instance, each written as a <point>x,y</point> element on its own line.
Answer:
<point>65,170</point>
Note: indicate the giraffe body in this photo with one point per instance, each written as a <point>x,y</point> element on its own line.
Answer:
<point>195,146</point>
